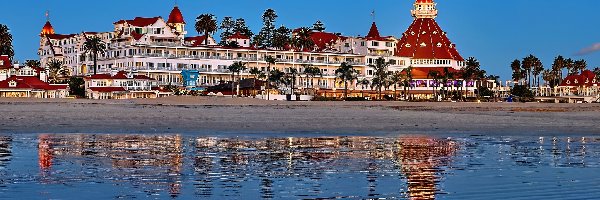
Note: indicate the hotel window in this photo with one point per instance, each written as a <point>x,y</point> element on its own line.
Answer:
<point>388,44</point>
<point>375,44</point>
<point>347,45</point>
<point>362,43</point>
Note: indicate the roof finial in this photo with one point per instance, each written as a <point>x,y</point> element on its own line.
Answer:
<point>47,15</point>
<point>373,15</point>
<point>175,3</point>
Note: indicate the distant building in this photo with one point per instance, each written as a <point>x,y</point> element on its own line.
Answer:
<point>122,85</point>
<point>26,81</point>
<point>584,84</point>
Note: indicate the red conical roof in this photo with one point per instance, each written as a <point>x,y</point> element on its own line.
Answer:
<point>175,16</point>
<point>47,29</point>
<point>424,1</point>
<point>373,33</point>
<point>424,39</point>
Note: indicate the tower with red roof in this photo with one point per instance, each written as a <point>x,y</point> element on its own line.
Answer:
<point>426,44</point>
<point>176,21</point>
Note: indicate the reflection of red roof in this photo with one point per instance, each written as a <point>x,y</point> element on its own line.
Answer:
<point>107,89</point>
<point>99,76</point>
<point>423,72</point>
<point>140,21</point>
<point>238,35</point>
<point>586,78</point>
<point>47,29</point>
<point>30,82</point>
<point>142,77</point>
<point>424,39</point>
<point>176,16</point>
<point>5,62</point>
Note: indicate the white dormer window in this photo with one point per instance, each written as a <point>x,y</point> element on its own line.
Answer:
<point>423,44</point>
<point>1,62</point>
<point>412,33</point>
<point>423,33</point>
<point>568,82</point>
<point>407,45</point>
<point>439,45</point>
<point>435,32</point>
<point>587,80</point>
<point>12,84</point>
<point>576,81</point>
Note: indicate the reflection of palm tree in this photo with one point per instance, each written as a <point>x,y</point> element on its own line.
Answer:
<point>44,152</point>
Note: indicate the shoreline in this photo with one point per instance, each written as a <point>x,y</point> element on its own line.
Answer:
<point>214,116</point>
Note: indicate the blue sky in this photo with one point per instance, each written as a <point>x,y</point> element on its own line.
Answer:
<point>496,32</point>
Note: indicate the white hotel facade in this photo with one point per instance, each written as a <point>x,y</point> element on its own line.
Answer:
<point>161,49</point>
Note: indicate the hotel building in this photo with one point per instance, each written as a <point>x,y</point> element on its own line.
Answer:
<point>161,49</point>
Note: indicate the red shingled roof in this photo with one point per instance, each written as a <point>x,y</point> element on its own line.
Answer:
<point>586,78</point>
<point>107,89</point>
<point>238,35</point>
<point>5,62</point>
<point>424,39</point>
<point>176,16</point>
<point>60,36</point>
<point>136,35</point>
<point>373,33</point>
<point>196,40</point>
<point>30,82</point>
<point>140,21</point>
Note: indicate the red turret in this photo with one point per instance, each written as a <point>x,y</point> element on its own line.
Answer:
<point>373,33</point>
<point>175,17</point>
<point>47,29</point>
<point>424,39</point>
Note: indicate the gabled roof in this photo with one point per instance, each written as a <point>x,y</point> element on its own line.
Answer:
<point>176,16</point>
<point>424,39</point>
<point>140,21</point>
<point>5,62</point>
<point>586,78</point>
<point>196,40</point>
<point>324,39</point>
<point>373,33</point>
<point>136,35</point>
<point>238,35</point>
<point>60,36</point>
<point>30,82</point>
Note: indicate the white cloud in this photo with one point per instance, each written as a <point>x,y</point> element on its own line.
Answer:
<point>591,49</point>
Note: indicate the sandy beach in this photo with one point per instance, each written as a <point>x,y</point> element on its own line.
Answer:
<point>223,115</point>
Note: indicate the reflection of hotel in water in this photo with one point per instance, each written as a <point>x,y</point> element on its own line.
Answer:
<point>148,155</point>
<point>221,165</point>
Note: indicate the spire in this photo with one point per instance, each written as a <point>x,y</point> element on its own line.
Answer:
<point>424,9</point>
<point>47,29</point>
<point>176,17</point>
<point>373,33</point>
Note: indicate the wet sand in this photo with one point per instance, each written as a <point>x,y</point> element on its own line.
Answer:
<point>224,115</point>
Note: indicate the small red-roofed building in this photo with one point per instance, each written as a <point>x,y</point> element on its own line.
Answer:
<point>241,39</point>
<point>27,81</point>
<point>122,85</point>
<point>584,84</point>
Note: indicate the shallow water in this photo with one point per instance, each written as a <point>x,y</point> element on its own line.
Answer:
<point>63,166</point>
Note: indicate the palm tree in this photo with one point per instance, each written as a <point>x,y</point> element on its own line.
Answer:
<point>95,46</point>
<point>395,78</point>
<point>345,73</point>
<point>276,77</point>
<point>207,24</point>
<point>270,61</point>
<point>579,66</point>
<point>55,67</point>
<point>558,65</point>
<point>471,70</point>
<point>256,72</point>
<point>33,63</point>
<point>302,40</point>
<point>364,83</point>
<point>597,72</point>
<point>517,74</point>
<point>293,73</point>
<point>570,65</point>
<point>527,65</point>
<point>6,47</point>
<point>408,78</point>
<point>311,72</point>
<point>538,67</point>
<point>380,74</point>
<point>236,67</point>
<point>447,76</point>
<point>435,77</point>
